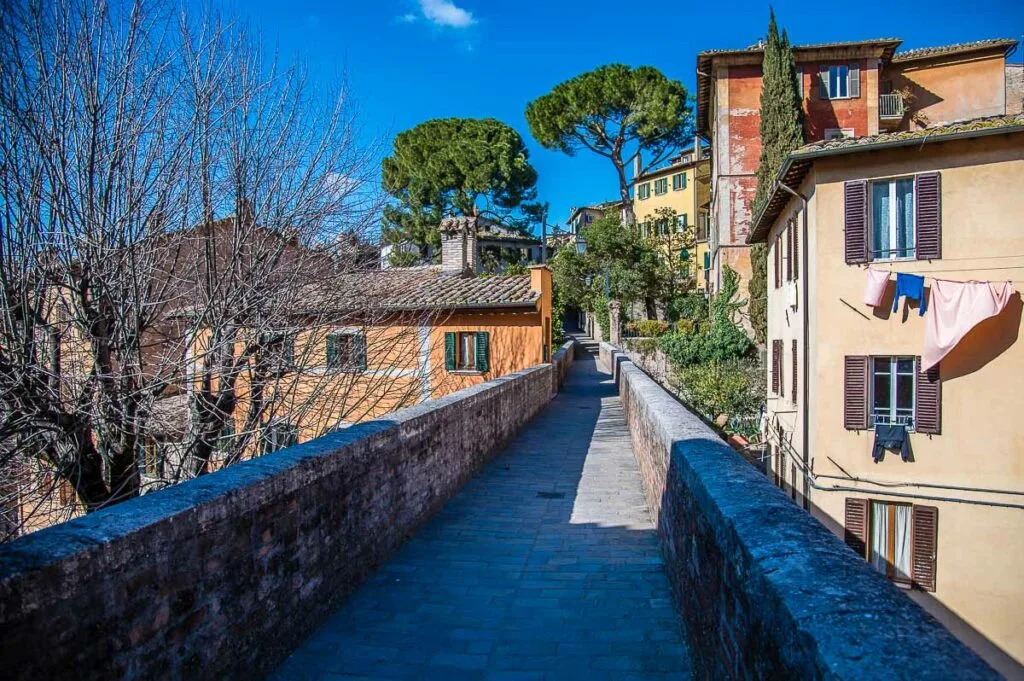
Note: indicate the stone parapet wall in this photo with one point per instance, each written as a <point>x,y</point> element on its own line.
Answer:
<point>765,591</point>
<point>561,362</point>
<point>222,577</point>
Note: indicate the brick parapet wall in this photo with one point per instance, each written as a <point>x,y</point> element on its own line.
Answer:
<point>765,591</point>
<point>222,577</point>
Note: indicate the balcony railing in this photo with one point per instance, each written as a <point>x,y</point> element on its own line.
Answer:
<point>891,105</point>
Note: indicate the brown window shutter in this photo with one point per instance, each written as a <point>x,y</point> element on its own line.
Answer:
<point>856,221</point>
<point>778,260</point>
<point>855,392</point>
<point>854,80</point>
<point>928,212</point>
<point>775,367</point>
<point>928,407</point>
<point>855,525</point>
<point>796,249</point>
<point>789,252</point>
<point>794,372</point>
<point>781,345</point>
<point>925,536</point>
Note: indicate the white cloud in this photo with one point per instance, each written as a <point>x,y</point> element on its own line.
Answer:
<point>446,13</point>
<point>406,18</point>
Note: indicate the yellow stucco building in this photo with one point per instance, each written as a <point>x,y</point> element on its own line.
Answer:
<point>671,205</point>
<point>945,517</point>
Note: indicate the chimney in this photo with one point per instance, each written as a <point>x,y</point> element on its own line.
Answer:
<point>458,245</point>
<point>638,164</point>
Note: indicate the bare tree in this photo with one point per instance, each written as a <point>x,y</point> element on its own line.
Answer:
<point>144,340</point>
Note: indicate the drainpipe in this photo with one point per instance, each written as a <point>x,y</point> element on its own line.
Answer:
<point>805,315</point>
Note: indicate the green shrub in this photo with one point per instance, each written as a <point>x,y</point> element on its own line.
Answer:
<point>721,387</point>
<point>721,343</point>
<point>603,318</point>
<point>692,306</point>
<point>647,328</point>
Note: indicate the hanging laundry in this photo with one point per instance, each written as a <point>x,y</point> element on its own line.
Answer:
<point>791,294</point>
<point>957,307</point>
<point>912,287</point>
<point>890,437</point>
<point>875,290</point>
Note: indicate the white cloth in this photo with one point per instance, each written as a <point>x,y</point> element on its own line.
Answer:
<point>875,289</point>
<point>791,294</point>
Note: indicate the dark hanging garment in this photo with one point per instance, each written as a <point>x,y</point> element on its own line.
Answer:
<point>910,286</point>
<point>890,437</point>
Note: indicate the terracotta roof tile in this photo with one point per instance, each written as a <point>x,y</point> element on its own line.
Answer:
<point>430,288</point>
<point>959,48</point>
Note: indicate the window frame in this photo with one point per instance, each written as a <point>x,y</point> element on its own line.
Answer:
<point>681,184</point>
<point>906,581</point>
<point>661,182</point>
<point>643,191</point>
<point>460,357</point>
<point>893,416</point>
<point>828,86</point>
<point>337,365</point>
<point>893,218</point>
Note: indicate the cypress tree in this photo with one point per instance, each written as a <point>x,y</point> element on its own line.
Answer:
<point>782,131</point>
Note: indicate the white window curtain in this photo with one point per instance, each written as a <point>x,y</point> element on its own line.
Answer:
<point>901,561</point>
<point>879,536</point>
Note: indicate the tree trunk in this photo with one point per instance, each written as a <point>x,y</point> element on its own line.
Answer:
<point>628,216</point>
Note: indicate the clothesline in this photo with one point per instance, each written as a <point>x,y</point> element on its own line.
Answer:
<point>927,273</point>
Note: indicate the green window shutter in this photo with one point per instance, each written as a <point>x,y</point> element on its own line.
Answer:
<point>332,351</point>
<point>449,351</point>
<point>288,353</point>
<point>483,351</point>
<point>359,341</point>
<point>684,180</point>
<point>823,82</point>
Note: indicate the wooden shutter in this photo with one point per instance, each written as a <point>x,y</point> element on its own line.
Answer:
<point>777,247</point>
<point>359,349</point>
<point>928,212</point>
<point>855,525</point>
<point>332,350</point>
<point>794,371</point>
<point>855,392</point>
<point>776,365</point>
<point>483,351</point>
<point>796,249</point>
<point>449,351</point>
<point>856,221</point>
<point>789,251</point>
<point>928,406</point>
<point>925,536</point>
<point>823,82</point>
<point>855,80</point>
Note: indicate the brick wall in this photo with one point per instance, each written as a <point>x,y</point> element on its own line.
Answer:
<point>764,590</point>
<point>221,577</point>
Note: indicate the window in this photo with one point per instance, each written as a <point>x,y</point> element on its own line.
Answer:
<point>838,133</point>
<point>467,351</point>
<point>682,221</point>
<point>892,391</point>
<point>279,435</point>
<point>892,219</point>
<point>838,83</point>
<point>643,191</point>
<point>661,186</point>
<point>279,350</point>
<point>346,351</point>
<point>889,548</point>
<point>679,181</point>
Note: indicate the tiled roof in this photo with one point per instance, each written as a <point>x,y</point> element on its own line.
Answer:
<point>800,161</point>
<point>424,288</point>
<point>928,52</point>
<point>809,46</point>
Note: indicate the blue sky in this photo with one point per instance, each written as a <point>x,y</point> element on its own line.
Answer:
<point>410,60</point>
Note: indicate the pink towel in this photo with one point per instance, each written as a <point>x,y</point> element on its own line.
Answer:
<point>956,308</point>
<point>875,290</point>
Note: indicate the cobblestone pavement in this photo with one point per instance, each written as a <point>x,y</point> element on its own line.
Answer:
<point>545,566</point>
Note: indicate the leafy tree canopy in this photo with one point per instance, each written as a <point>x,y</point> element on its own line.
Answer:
<point>615,111</point>
<point>454,166</point>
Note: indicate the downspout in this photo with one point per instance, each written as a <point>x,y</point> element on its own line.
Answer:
<point>805,315</point>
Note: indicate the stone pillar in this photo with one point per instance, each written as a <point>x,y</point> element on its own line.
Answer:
<point>614,312</point>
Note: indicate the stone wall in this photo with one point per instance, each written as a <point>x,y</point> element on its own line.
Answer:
<point>765,591</point>
<point>222,577</point>
<point>561,362</point>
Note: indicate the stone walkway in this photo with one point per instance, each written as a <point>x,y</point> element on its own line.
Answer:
<point>545,566</point>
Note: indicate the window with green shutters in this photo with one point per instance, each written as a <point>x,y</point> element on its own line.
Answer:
<point>467,351</point>
<point>643,191</point>
<point>346,351</point>
<point>661,186</point>
<point>679,181</point>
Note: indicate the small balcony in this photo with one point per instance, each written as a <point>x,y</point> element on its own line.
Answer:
<point>891,107</point>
